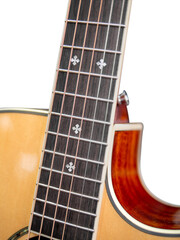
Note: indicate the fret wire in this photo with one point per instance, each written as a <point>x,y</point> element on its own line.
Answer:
<point>63,222</point>
<point>82,96</point>
<point>69,174</point>
<point>43,235</point>
<point>86,73</point>
<point>60,120</point>
<point>99,23</point>
<point>70,208</point>
<point>77,138</point>
<point>80,118</point>
<point>91,49</point>
<point>66,191</point>
<point>71,156</point>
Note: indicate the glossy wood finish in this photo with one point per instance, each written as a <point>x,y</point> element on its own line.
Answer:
<point>130,190</point>
<point>113,227</point>
<point>21,137</point>
<point>18,177</point>
<point>121,114</point>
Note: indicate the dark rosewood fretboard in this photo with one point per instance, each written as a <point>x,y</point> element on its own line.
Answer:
<point>70,174</point>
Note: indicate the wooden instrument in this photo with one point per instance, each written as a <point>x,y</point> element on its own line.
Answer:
<point>88,183</point>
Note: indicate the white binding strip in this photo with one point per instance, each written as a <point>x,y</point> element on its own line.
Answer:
<point>129,127</point>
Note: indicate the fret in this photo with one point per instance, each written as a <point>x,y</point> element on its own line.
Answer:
<point>82,96</point>
<point>97,151</point>
<point>75,201</point>
<point>77,138</point>
<point>67,223</point>
<point>43,235</point>
<point>87,73</point>
<point>69,192</point>
<point>93,169</point>
<point>80,118</point>
<point>97,23</point>
<point>91,49</point>
<point>68,174</point>
<point>53,180</point>
<point>62,206</point>
<point>81,106</point>
<point>71,156</point>
<point>105,84</point>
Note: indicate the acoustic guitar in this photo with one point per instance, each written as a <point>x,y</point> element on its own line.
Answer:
<point>87,184</point>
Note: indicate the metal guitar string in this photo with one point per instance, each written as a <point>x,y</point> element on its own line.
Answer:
<point>118,35</point>
<point>59,117</point>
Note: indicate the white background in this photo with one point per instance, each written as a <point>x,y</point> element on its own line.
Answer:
<point>30,35</point>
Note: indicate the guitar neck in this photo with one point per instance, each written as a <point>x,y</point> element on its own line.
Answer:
<point>72,168</point>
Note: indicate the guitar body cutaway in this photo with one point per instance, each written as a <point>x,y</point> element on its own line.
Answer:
<point>20,147</point>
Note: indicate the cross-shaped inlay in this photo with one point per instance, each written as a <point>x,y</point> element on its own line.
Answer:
<point>70,166</point>
<point>76,128</point>
<point>101,64</point>
<point>75,60</point>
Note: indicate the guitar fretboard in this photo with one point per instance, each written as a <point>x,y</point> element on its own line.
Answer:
<point>70,175</point>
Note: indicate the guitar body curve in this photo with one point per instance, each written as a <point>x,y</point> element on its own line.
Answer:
<point>20,146</point>
<point>20,149</point>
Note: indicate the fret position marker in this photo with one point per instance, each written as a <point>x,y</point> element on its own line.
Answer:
<point>70,167</point>
<point>76,129</point>
<point>75,60</point>
<point>101,64</point>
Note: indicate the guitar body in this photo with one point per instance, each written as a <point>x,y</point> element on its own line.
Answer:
<point>21,142</point>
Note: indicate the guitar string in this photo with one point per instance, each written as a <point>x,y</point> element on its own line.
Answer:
<point>88,81</point>
<point>49,116</point>
<point>42,220</point>
<point>118,37</point>
<point>95,111</point>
